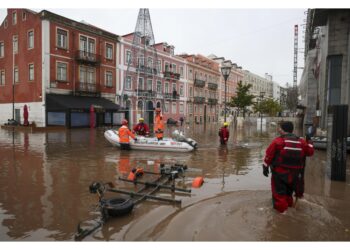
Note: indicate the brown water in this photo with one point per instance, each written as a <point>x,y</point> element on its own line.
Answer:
<point>44,180</point>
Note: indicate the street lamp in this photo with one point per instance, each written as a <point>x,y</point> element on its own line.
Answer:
<point>225,71</point>
<point>261,115</point>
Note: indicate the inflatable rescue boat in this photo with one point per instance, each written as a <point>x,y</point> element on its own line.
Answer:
<point>178,144</point>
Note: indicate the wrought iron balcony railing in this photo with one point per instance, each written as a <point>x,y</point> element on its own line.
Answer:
<point>87,89</point>
<point>171,96</point>
<point>146,70</point>
<point>145,93</point>
<point>171,75</point>
<point>199,99</point>
<point>199,83</point>
<point>212,101</point>
<point>212,86</point>
<point>87,57</point>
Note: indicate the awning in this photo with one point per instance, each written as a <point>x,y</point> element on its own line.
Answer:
<point>56,102</point>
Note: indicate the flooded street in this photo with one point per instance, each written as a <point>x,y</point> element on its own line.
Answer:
<point>45,178</point>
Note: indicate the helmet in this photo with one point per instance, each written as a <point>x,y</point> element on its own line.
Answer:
<point>225,124</point>
<point>158,110</point>
<point>141,119</point>
<point>125,122</point>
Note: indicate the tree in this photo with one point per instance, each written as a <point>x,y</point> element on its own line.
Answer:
<point>243,99</point>
<point>267,106</point>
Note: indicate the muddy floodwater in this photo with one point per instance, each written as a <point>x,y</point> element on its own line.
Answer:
<point>45,178</point>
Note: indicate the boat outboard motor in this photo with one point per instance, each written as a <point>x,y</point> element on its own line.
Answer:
<point>179,136</point>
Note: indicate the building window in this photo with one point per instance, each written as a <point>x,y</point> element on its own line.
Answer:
<point>166,87</point>
<point>5,23</point>
<point>190,75</point>
<point>61,39</point>
<point>181,108</point>
<point>128,56</point>
<point>174,68</point>
<point>14,18</point>
<point>149,84</point>
<point>173,108</point>
<point>109,77</point>
<point>128,82</point>
<point>16,75</point>
<point>61,71</point>
<point>150,62</point>
<point>15,44</point>
<point>181,90</point>
<point>109,51</point>
<point>159,87</point>
<point>166,107</point>
<point>31,72</point>
<point>2,77</point>
<point>140,85</point>
<point>30,39</point>
<point>174,86</point>
<point>166,69</point>
<point>191,91</point>
<point>24,16</point>
<point>141,61</point>
<point>159,66</point>
<point>2,49</point>
<point>182,71</point>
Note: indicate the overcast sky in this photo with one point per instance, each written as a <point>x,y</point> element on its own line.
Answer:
<point>259,40</point>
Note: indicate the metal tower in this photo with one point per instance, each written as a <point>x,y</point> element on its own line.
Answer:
<point>295,70</point>
<point>143,67</point>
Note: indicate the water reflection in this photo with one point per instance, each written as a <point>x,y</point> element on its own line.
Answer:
<point>44,180</point>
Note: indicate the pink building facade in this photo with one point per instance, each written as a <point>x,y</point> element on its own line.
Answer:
<point>140,93</point>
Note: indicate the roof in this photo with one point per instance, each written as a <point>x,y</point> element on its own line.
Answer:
<point>55,102</point>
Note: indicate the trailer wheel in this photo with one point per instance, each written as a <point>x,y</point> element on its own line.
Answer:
<point>117,206</point>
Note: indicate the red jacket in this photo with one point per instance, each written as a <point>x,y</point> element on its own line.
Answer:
<point>224,133</point>
<point>288,151</point>
<point>141,129</point>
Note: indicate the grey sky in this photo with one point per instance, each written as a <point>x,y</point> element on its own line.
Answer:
<point>259,40</point>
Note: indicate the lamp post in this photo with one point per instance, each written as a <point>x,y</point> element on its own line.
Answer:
<point>225,71</point>
<point>261,115</point>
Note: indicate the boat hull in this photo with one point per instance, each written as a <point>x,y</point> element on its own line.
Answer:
<point>150,144</point>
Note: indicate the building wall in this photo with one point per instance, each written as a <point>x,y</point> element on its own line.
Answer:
<point>25,91</point>
<point>69,56</point>
<point>165,56</point>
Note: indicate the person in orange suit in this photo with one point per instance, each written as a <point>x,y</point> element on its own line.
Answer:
<point>159,125</point>
<point>124,134</point>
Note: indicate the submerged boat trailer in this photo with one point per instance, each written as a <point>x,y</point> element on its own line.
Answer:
<point>118,206</point>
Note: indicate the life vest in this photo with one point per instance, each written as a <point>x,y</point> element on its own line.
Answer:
<point>292,154</point>
<point>159,127</point>
<point>141,129</point>
<point>124,134</point>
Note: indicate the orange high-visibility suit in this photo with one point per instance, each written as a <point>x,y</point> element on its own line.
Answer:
<point>124,133</point>
<point>159,127</point>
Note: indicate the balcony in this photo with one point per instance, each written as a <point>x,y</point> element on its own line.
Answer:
<point>199,99</point>
<point>171,96</point>
<point>87,57</point>
<point>146,70</point>
<point>199,83</point>
<point>212,86</point>
<point>171,75</point>
<point>87,89</point>
<point>212,101</point>
<point>145,93</point>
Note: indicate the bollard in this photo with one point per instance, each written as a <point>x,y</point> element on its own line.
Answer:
<point>337,122</point>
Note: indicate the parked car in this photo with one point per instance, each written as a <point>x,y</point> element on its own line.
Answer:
<point>171,121</point>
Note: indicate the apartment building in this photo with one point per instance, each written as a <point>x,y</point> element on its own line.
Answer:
<point>58,67</point>
<point>153,79</point>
